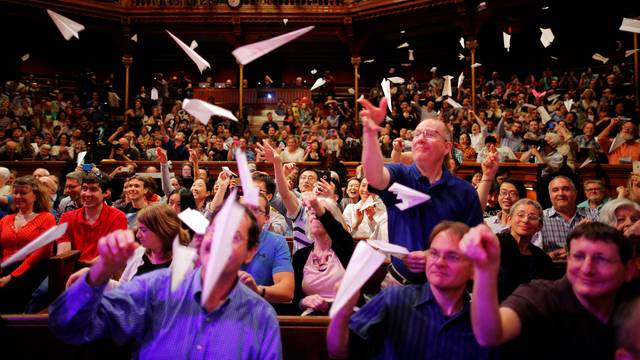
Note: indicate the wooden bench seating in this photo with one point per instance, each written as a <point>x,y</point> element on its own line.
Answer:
<point>302,338</point>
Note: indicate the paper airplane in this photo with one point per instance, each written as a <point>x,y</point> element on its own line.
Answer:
<point>411,58</point>
<point>228,171</point>
<point>553,97</point>
<point>616,143</point>
<point>544,115</point>
<point>409,196</point>
<point>553,58</point>
<point>25,57</point>
<point>36,148</point>
<point>46,238</point>
<point>530,106</point>
<point>225,225</point>
<point>247,53</point>
<point>455,104</point>
<point>538,94</point>
<point>506,40</point>
<point>476,65</point>
<point>462,42</point>
<point>194,44</point>
<point>599,57</point>
<point>585,163</point>
<point>630,52</point>
<point>351,91</point>
<point>313,71</point>
<point>203,111</point>
<point>194,220</point>
<point>285,21</point>
<point>461,57</point>
<point>369,61</point>
<point>460,80</point>
<point>389,249</point>
<point>404,64</point>
<point>546,37</point>
<point>446,89</point>
<point>386,90</point>
<point>251,193</point>
<point>183,260</point>
<point>434,69</point>
<point>568,104</point>
<point>403,45</point>
<point>154,94</point>
<point>134,38</point>
<point>318,83</point>
<point>199,60</point>
<point>630,25</point>
<point>367,204</point>
<point>364,263</point>
<point>68,28</point>
<point>81,156</point>
<point>396,80</point>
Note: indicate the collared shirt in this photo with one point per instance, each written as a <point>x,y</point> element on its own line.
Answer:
<point>555,230</point>
<point>273,256</point>
<point>451,199</point>
<point>555,325</point>
<point>406,322</point>
<point>166,324</point>
<point>84,236</point>
<point>495,224</point>
<point>585,204</point>
<point>592,143</point>
<point>67,204</point>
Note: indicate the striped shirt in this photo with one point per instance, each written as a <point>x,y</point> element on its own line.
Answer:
<point>406,322</point>
<point>555,229</point>
<point>168,325</point>
<point>300,238</point>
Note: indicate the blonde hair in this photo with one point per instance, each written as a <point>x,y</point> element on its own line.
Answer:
<point>332,207</point>
<point>163,221</point>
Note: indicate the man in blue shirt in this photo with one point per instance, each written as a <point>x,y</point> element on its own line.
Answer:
<point>270,272</point>
<point>451,197</point>
<point>429,321</point>
<point>233,323</point>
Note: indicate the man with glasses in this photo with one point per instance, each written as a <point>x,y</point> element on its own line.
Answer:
<point>563,319</point>
<point>270,273</point>
<point>509,193</point>
<point>596,195</point>
<point>429,321</point>
<point>72,189</point>
<point>451,197</point>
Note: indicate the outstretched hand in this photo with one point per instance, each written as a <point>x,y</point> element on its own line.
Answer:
<point>373,116</point>
<point>162,155</point>
<point>490,166</point>
<point>482,247</point>
<point>267,151</point>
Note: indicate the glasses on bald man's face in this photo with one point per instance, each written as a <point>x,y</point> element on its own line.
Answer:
<point>430,134</point>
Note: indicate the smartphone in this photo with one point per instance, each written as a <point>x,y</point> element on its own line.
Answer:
<point>87,167</point>
<point>324,175</point>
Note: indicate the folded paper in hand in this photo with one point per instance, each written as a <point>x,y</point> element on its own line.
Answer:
<point>228,171</point>
<point>46,238</point>
<point>194,220</point>
<point>364,263</point>
<point>251,193</point>
<point>409,196</point>
<point>183,261</point>
<point>389,249</point>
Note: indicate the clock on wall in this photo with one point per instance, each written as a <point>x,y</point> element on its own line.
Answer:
<point>234,4</point>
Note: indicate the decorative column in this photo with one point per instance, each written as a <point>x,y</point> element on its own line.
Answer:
<point>241,87</point>
<point>635,69</point>
<point>127,61</point>
<point>472,45</point>
<point>355,60</point>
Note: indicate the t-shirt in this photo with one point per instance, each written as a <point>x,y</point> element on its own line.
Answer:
<point>273,256</point>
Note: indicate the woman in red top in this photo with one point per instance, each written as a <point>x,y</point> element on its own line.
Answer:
<point>33,218</point>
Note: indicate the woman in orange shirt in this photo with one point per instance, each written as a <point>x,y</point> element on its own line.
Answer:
<point>33,218</point>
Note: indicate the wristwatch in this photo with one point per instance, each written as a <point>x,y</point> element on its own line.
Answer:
<point>264,292</point>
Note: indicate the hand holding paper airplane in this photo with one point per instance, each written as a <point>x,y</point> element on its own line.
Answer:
<point>409,196</point>
<point>46,238</point>
<point>183,261</point>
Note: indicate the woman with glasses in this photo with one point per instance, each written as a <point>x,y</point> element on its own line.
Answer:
<point>520,260</point>
<point>33,218</point>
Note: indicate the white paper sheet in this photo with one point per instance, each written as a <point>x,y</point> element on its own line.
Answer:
<point>194,220</point>
<point>45,238</point>
<point>546,37</point>
<point>203,111</point>
<point>408,196</point>
<point>630,25</point>
<point>446,89</point>
<point>251,193</point>
<point>183,261</point>
<point>247,53</point>
<point>81,156</point>
<point>506,40</point>
<point>319,82</point>
<point>386,90</point>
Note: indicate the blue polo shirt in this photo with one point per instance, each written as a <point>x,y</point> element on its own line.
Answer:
<point>273,256</point>
<point>451,199</point>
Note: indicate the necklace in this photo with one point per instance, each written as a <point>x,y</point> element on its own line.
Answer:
<point>22,219</point>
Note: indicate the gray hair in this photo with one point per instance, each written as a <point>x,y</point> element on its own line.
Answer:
<point>527,201</point>
<point>75,175</point>
<point>5,173</point>
<point>608,211</point>
<point>573,186</point>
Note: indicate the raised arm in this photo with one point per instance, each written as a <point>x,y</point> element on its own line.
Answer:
<point>492,325</point>
<point>165,177</point>
<point>489,169</point>
<point>372,159</point>
<point>289,199</point>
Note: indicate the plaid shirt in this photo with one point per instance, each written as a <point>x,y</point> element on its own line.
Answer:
<point>555,229</point>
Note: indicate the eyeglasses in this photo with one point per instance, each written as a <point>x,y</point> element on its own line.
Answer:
<point>523,215</point>
<point>593,190</point>
<point>435,255</point>
<point>428,134</point>
<point>508,193</point>
<point>597,259</point>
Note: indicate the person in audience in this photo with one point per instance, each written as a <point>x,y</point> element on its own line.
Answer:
<point>181,199</point>
<point>32,218</point>
<point>72,191</point>
<point>596,194</point>
<point>10,151</point>
<point>509,193</point>
<point>135,189</point>
<point>491,146</point>
<point>576,308</point>
<point>40,172</point>
<point>520,260</point>
<point>632,190</point>
<point>201,195</point>
<point>352,193</point>
<point>62,151</point>
<point>278,223</point>
<point>292,153</point>
<point>362,222</point>
<point>430,319</point>
<point>5,187</point>
<point>561,217</point>
<point>243,324</point>
<point>627,323</point>
<point>629,151</point>
<point>51,189</point>
<point>176,149</point>
<point>269,124</point>
<point>44,153</point>
<point>270,273</point>
<point>620,213</point>
<point>451,198</point>
<point>158,226</point>
<point>319,267</point>
<point>313,152</point>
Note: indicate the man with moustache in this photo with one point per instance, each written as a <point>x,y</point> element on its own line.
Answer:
<point>629,151</point>
<point>451,197</point>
